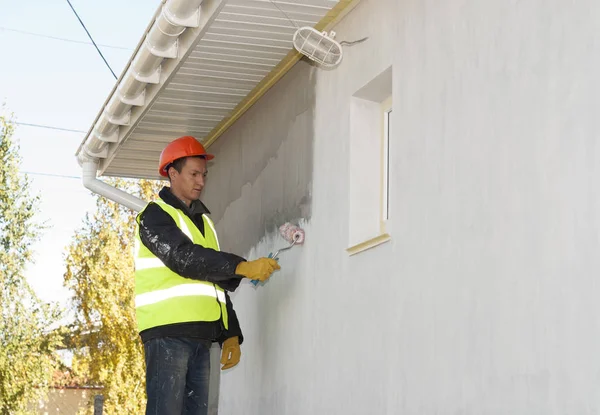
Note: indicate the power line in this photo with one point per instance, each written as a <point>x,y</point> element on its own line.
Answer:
<point>49,127</point>
<point>24,32</point>
<point>92,39</point>
<point>62,176</point>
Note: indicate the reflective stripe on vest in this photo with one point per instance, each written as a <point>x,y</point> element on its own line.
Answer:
<point>164,297</point>
<point>180,290</point>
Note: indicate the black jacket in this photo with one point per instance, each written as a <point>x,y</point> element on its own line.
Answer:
<point>161,235</point>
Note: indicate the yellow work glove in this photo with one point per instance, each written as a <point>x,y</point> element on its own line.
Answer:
<point>259,269</point>
<point>231,353</point>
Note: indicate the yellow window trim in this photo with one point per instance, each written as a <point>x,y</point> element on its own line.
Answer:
<point>368,244</point>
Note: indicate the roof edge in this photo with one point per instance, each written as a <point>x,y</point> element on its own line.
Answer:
<point>121,76</point>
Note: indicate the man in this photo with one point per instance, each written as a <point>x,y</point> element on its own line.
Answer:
<point>182,283</point>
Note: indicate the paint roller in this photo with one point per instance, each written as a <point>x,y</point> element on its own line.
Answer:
<point>291,233</point>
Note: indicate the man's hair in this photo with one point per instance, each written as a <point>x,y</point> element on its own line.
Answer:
<point>179,163</point>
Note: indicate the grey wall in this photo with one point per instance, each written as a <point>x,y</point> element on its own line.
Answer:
<point>262,176</point>
<point>485,301</point>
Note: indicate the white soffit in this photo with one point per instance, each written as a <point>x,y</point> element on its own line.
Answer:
<point>239,50</point>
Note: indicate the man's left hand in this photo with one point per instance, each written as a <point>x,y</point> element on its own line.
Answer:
<point>230,356</point>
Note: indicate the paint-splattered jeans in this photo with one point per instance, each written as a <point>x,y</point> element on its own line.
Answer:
<point>177,376</point>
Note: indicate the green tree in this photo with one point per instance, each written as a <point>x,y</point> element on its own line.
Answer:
<point>101,275</point>
<point>27,359</point>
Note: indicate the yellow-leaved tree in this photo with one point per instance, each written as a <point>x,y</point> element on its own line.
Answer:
<point>27,358</point>
<point>107,348</point>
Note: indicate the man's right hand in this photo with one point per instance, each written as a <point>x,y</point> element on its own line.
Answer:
<point>259,269</point>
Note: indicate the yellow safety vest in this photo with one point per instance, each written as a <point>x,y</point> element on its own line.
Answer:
<point>163,297</point>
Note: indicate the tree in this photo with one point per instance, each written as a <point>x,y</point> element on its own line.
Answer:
<point>101,275</point>
<point>27,359</point>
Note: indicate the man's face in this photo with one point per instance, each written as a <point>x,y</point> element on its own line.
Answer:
<point>188,184</point>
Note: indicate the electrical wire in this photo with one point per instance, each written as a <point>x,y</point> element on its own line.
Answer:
<point>92,39</point>
<point>49,127</point>
<point>347,43</point>
<point>286,15</point>
<point>25,32</point>
<point>60,176</point>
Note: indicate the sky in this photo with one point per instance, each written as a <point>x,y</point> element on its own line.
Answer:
<point>59,83</point>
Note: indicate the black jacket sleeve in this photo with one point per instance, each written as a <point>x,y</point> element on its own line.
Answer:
<point>161,235</point>
<point>234,324</point>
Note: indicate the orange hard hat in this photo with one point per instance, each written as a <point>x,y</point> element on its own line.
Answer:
<point>186,146</point>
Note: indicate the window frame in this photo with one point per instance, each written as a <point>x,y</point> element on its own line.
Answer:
<point>386,113</point>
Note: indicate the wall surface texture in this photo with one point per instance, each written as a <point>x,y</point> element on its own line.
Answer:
<point>485,300</point>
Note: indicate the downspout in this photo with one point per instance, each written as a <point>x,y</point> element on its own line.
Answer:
<point>89,169</point>
<point>160,42</point>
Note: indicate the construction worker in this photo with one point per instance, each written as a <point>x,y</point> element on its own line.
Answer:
<point>182,284</point>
